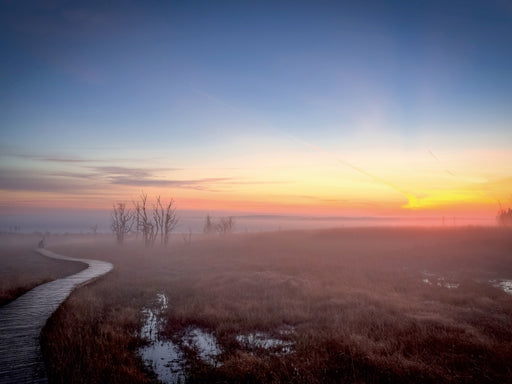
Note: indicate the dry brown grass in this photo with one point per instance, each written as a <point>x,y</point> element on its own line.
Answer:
<point>354,297</point>
<point>21,269</point>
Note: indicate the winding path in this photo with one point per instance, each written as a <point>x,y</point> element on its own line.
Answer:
<point>21,321</point>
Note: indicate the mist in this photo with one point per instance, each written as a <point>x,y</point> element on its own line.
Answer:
<point>64,220</point>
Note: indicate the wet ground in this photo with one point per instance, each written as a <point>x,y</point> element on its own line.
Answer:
<point>504,284</point>
<point>168,360</point>
<point>434,279</point>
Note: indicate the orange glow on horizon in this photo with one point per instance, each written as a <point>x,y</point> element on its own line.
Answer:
<point>311,182</point>
<point>436,205</point>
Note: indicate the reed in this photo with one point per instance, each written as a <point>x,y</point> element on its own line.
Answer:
<point>354,299</point>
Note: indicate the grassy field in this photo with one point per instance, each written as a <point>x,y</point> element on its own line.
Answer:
<point>21,269</point>
<point>357,305</point>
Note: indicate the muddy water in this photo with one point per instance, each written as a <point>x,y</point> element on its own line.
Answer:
<point>21,321</point>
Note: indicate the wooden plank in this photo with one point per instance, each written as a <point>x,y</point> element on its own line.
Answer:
<point>22,320</point>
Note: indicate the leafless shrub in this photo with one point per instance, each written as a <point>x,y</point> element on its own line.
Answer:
<point>165,219</point>
<point>161,222</point>
<point>122,221</point>
<point>222,226</point>
<point>225,225</point>
<point>144,223</point>
<point>504,217</point>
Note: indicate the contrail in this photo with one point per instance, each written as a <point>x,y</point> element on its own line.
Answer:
<point>435,157</point>
<point>432,154</point>
<point>413,200</point>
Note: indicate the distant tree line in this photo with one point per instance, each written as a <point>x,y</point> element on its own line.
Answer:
<point>15,229</point>
<point>151,220</point>
<point>504,217</point>
<point>222,226</point>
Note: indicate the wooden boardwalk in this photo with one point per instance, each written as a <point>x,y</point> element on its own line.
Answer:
<point>21,322</point>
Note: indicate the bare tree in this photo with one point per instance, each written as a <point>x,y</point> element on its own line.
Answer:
<point>160,221</point>
<point>137,218</point>
<point>165,219</point>
<point>225,225</point>
<point>187,238</point>
<point>144,222</point>
<point>158,218</point>
<point>209,227</point>
<point>504,217</point>
<point>170,220</point>
<point>222,226</point>
<point>122,221</point>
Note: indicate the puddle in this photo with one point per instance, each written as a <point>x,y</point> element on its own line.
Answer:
<point>204,343</point>
<point>167,358</point>
<point>440,281</point>
<point>163,356</point>
<point>149,330</point>
<point>505,285</point>
<point>265,341</point>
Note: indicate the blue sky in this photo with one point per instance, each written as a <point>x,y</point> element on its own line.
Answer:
<point>189,84</point>
<point>301,66</point>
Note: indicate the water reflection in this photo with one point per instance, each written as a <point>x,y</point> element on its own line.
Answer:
<point>204,343</point>
<point>167,358</point>
<point>504,284</point>
<point>440,281</point>
<point>262,340</point>
<point>163,356</point>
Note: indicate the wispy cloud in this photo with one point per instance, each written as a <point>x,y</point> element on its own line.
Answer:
<point>55,159</point>
<point>76,175</point>
<point>147,177</point>
<point>69,159</point>
<point>16,180</point>
<point>63,160</point>
<point>102,176</point>
<point>115,172</point>
<point>199,184</point>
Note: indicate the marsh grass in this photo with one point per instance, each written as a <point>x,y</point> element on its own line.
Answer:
<point>353,299</point>
<point>21,269</point>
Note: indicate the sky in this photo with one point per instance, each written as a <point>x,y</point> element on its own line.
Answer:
<point>364,108</point>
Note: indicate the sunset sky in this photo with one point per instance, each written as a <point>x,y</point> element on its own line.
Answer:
<point>362,108</point>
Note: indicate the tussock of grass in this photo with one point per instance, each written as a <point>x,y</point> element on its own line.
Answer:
<point>354,299</point>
